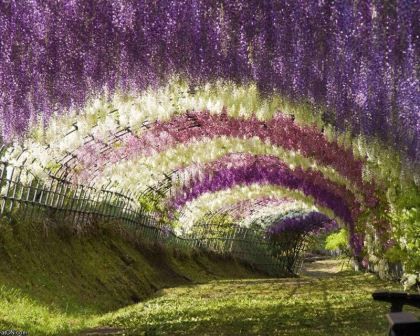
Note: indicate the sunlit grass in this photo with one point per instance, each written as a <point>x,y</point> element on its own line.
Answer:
<point>21,313</point>
<point>55,283</point>
<point>321,304</point>
<point>337,305</point>
<point>66,284</point>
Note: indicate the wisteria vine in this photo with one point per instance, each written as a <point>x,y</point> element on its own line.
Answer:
<point>245,170</point>
<point>305,222</point>
<point>329,87</point>
<point>331,53</point>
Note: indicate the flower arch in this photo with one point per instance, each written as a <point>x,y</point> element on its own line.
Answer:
<point>323,92</point>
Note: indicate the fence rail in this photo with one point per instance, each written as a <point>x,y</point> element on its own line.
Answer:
<point>79,205</point>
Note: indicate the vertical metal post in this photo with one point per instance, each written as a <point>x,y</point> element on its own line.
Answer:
<point>102,208</point>
<point>83,209</point>
<point>8,179</point>
<point>96,202</point>
<point>2,178</point>
<point>16,182</point>
<point>73,205</point>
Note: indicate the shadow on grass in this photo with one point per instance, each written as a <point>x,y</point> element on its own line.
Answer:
<point>338,305</point>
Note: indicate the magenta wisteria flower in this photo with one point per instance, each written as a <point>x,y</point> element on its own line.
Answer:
<point>281,131</point>
<point>246,169</point>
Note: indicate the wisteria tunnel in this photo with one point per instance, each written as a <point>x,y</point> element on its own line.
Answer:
<point>243,128</point>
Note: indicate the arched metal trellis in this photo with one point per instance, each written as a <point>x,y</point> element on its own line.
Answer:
<point>22,193</point>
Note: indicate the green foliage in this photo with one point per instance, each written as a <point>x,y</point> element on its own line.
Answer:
<point>220,223</point>
<point>148,203</point>
<point>221,219</point>
<point>337,240</point>
<point>316,242</point>
<point>153,203</point>
<point>406,227</point>
<point>395,254</point>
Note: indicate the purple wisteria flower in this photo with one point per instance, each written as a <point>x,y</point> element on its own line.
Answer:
<point>357,59</point>
<point>246,169</point>
<point>307,222</point>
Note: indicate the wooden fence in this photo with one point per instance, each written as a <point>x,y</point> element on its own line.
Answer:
<point>78,205</point>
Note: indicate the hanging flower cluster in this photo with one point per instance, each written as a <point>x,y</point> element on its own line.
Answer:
<point>213,202</point>
<point>330,53</point>
<point>148,170</point>
<point>280,131</point>
<point>319,98</point>
<point>245,209</point>
<point>302,222</point>
<point>245,169</point>
<point>264,217</point>
<point>257,212</point>
<point>96,124</point>
<point>185,141</point>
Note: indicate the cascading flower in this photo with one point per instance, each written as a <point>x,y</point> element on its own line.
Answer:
<point>280,131</point>
<point>307,51</point>
<point>302,222</point>
<point>329,88</point>
<point>239,169</point>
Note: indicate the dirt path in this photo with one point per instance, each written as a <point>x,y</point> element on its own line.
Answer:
<point>323,268</point>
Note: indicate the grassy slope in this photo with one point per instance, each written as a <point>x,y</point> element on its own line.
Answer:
<point>52,282</point>
<point>339,304</point>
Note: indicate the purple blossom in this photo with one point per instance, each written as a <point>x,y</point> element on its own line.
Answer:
<point>246,207</point>
<point>307,222</point>
<point>57,54</point>
<point>189,127</point>
<point>243,169</point>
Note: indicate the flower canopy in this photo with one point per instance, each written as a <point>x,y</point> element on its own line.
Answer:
<point>301,222</point>
<point>262,106</point>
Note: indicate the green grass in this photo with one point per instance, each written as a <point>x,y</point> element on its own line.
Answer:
<point>20,312</point>
<point>337,305</point>
<point>53,282</point>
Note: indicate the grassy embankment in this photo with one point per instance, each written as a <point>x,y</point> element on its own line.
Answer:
<point>54,282</point>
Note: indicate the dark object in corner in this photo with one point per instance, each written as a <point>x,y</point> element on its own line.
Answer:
<point>401,324</point>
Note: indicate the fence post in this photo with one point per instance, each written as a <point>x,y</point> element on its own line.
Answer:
<point>2,178</point>
<point>48,192</point>
<point>8,182</point>
<point>84,205</point>
<point>16,183</point>
<point>66,201</point>
<point>72,205</point>
<point>95,202</point>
